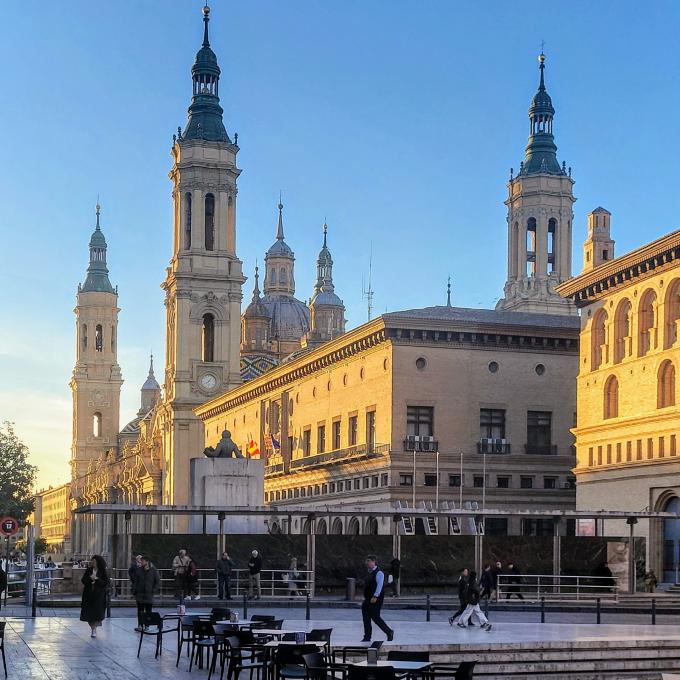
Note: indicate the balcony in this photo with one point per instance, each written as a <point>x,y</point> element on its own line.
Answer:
<point>339,456</point>
<point>420,443</point>
<point>540,449</point>
<point>493,446</point>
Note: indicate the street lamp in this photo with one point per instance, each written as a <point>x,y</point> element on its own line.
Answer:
<point>436,493</point>
<point>413,478</point>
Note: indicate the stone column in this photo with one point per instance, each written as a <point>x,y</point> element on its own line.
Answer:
<point>197,220</point>
<point>541,246</point>
<point>522,248</point>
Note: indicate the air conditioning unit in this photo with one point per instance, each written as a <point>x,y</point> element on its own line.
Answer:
<point>412,442</point>
<point>427,443</point>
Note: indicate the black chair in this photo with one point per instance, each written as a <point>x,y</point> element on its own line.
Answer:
<point>318,668</point>
<point>355,650</point>
<point>2,645</point>
<point>153,625</point>
<point>262,617</point>
<point>321,635</point>
<point>184,633</point>
<point>270,625</point>
<point>288,660</point>
<point>397,655</point>
<point>219,614</point>
<point>463,671</point>
<point>203,637</point>
<point>237,659</point>
<point>371,673</point>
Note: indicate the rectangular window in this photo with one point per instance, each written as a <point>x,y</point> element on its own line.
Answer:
<point>496,526</point>
<point>478,481</point>
<point>491,423</point>
<point>539,432</point>
<point>324,488</point>
<point>662,447</point>
<point>384,480</point>
<point>618,452</point>
<point>296,493</point>
<point>549,483</point>
<point>673,450</point>
<point>367,482</point>
<point>405,480</point>
<point>352,431</point>
<point>357,484</point>
<point>638,453</point>
<point>537,527</point>
<point>420,421</point>
<point>650,448</point>
<point>336,435</point>
<point>317,490</point>
<point>454,480</point>
<point>341,486</point>
<point>526,482</point>
<point>374,481</point>
<point>629,452</point>
<point>370,430</point>
<point>503,482</point>
<point>609,454</point>
<point>321,439</point>
<point>591,461</point>
<point>430,479</point>
<point>332,487</point>
<point>306,442</point>
<point>599,455</point>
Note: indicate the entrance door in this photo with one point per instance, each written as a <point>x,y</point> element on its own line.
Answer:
<point>671,543</point>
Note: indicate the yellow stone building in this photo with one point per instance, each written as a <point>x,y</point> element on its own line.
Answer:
<point>52,520</point>
<point>628,418</point>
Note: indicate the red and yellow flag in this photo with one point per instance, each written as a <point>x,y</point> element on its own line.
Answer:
<point>253,449</point>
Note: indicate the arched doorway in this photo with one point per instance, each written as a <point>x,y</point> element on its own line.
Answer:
<point>336,527</point>
<point>372,526</point>
<point>354,528</point>
<point>321,527</point>
<point>671,543</point>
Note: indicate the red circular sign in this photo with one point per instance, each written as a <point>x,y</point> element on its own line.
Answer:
<point>9,526</point>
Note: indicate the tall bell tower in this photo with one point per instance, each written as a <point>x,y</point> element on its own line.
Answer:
<point>97,379</point>
<point>203,286</point>
<point>540,216</point>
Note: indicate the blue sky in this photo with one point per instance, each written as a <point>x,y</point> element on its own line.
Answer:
<point>396,121</point>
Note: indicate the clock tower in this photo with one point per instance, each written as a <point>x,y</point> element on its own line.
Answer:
<point>96,377</point>
<point>203,286</point>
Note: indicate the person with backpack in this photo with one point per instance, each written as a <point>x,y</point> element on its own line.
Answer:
<point>473,609</point>
<point>180,566</point>
<point>192,580</point>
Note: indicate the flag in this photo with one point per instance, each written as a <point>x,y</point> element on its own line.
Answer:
<point>253,449</point>
<point>275,444</point>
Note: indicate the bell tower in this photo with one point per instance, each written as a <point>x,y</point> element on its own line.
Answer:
<point>540,216</point>
<point>97,379</point>
<point>204,280</point>
<point>599,246</point>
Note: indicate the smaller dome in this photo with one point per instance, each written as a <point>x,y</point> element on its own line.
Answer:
<point>151,384</point>
<point>97,239</point>
<point>289,316</point>
<point>280,247</point>
<point>256,309</point>
<point>206,61</point>
<point>541,103</point>
<point>326,297</point>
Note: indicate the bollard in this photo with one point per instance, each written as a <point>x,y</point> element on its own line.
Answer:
<point>653,611</point>
<point>599,618</point>
<point>245,606</point>
<point>427,607</point>
<point>307,612</point>
<point>542,610</point>
<point>34,602</point>
<point>350,589</point>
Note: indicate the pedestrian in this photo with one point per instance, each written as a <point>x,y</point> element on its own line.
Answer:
<point>650,581</point>
<point>180,565</point>
<point>514,578</point>
<point>254,569</point>
<point>393,579</point>
<point>93,605</point>
<point>135,563</point>
<point>462,594</point>
<point>486,583</point>
<point>473,609</point>
<point>3,581</point>
<point>223,569</point>
<point>293,578</point>
<point>145,587</point>
<point>374,594</point>
<point>496,571</point>
<point>192,576</point>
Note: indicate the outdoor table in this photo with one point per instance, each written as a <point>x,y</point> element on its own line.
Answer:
<point>276,643</point>
<point>276,632</point>
<point>409,666</point>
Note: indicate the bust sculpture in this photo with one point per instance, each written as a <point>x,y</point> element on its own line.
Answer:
<point>224,449</point>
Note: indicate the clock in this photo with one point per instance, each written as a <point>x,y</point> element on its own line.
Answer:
<point>208,381</point>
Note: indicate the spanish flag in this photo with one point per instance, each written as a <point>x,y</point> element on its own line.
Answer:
<point>253,449</point>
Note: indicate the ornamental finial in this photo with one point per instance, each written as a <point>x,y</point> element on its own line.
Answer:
<point>206,19</point>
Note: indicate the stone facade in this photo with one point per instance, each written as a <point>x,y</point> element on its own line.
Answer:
<point>52,520</point>
<point>628,418</point>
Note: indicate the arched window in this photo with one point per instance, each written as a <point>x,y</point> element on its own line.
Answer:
<point>113,338</point>
<point>622,338</point>
<point>208,339</point>
<point>336,527</point>
<point>98,338</point>
<point>531,247</point>
<point>647,323</point>
<point>187,220</point>
<point>321,527</point>
<point>83,336</point>
<point>354,528</point>
<point>672,316</point>
<point>209,222</point>
<point>97,424</point>
<point>272,275</point>
<point>552,243</point>
<point>372,526</point>
<point>666,385</point>
<point>611,397</point>
<point>282,275</point>
<point>598,340</point>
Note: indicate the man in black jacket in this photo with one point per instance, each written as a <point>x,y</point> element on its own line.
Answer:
<point>462,594</point>
<point>374,594</point>
<point>254,569</point>
<point>223,569</point>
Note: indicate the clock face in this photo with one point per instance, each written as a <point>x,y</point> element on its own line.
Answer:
<point>208,381</point>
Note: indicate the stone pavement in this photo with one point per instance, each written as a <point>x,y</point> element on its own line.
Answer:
<point>60,648</point>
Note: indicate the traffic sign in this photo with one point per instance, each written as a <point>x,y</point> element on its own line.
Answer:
<point>9,526</point>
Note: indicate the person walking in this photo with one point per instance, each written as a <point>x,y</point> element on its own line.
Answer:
<point>254,569</point>
<point>374,594</point>
<point>192,576</point>
<point>395,571</point>
<point>3,582</point>
<point>145,587</point>
<point>651,581</point>
<point>473,609</point>
<point>514,579</point>
<point>293,578</point>
<point>486,583</point>
<point>223,569</point>
<point>135,563</point>
<point>496,571</point>
<point>462,594</point>
<point>95,584</point>
<point>180,566</point>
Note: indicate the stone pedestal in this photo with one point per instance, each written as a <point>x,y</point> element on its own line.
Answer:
<point>227,483</point>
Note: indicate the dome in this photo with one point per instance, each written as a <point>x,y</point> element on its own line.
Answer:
<point>97,239</point>
<point>280,247</point>
<point>205,57</point>
<point>289,316</point>
<point>541,103</point>
<point>151,384</point>
<point>326,297</point>
<point>256,309</point>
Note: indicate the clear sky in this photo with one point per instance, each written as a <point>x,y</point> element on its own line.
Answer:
<point>396,121</point>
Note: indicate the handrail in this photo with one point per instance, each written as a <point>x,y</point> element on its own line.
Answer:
<point>340,454</point>
<point>557,587</point>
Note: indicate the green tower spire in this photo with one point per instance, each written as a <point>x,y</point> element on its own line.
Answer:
<point>97,279</point>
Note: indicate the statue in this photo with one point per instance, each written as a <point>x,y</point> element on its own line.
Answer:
<point>225,449</point>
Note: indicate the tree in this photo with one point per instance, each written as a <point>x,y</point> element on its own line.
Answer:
<point>17,475</point>
<point>40,546</point>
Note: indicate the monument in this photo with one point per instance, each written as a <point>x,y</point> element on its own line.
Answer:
<point>224,478</point>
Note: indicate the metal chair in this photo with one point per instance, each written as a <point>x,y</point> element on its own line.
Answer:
<point>203,637</point>
<point>184,634</point>
<point>399,655</point>
<point>238,658</point>
<point>288,660</point>
<point>463,671</point>
<point>318,668</point>
<point>371,673</point>
<point>153,625</point>
<point>355,650</point>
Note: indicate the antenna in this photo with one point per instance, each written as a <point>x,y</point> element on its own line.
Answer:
<point>368,292</point>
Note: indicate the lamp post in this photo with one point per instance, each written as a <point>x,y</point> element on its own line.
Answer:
<point>484,482</point>
<point>414,478</point>
<point>436,493</point>
<point>460,488</point>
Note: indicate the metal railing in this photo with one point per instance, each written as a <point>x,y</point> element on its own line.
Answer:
<point>493,446</point>
<point>540,449</point>
<point>273,583</point>
<point>340,454</point>
<point>550,587</point>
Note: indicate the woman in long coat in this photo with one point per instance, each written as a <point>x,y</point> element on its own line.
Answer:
<point>95,582</point>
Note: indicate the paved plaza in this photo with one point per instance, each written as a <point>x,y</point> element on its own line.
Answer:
<point>60,647</point>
